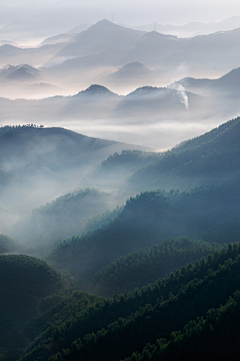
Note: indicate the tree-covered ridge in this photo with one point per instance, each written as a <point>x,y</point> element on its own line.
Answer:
<point>10,245</point>
<point>201,160</point>
<point>145,266</point>
<point>120,165</point>
<point>147,219</point>
<point>133,158</point>
<point>54,147</point>
<point>214,337</point>
<point>25,274</point>
<point>62,218</point>
<point>122,316</point>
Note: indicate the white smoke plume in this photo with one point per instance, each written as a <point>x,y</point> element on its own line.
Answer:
<point>183,95</point>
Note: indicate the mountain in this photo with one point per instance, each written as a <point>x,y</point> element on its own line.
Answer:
<point>159,102</point>
<point>118,166</point>
<point>45,163</point>
<point>147,219</point>
<point>98,102</point>
<point>210,162</point>
<point>26,281</point>
<point>35,57</point>
<point>225,86</point>
<point>132,70</point>
<point>167,57</point>
<point>20,73</point>
<point>210,54</point>
<point>95,102</point>
<point>50,224</point>
<point>191,29</point>
<point>61,38</point>
<point>142,322</point>
<point>78,29</point>
<point>103,36</point>
<point>131,75</point>
<point>140,268</point>
<point>211,157</point>
<point>10,245</point>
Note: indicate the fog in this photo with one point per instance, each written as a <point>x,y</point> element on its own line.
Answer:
<point>121,77</point>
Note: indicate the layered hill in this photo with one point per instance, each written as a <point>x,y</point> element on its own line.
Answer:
<point>10,245</point>
<point>148,219</point>
<point>115,329</point>
<point>205,159</point>
<point>118,166</point>
<point>45,163</point>
<point>225,86</point>
<point>98,103</point>
<point>48,225</point>
<point>25,281</point>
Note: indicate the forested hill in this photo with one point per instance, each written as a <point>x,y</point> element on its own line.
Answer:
<point>60,219</point>
<point>27,274</point>
<point>52,147</point>
<point>24,282</point>
<point>150,218</point>
<point>115,329</point>
<point>10,245</point>
<point>142,267</point>
<point>205,159</point>
<point>120,165</point>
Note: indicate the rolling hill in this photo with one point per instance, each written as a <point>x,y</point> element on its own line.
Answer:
<point>48,225</point>
<point>205,159</point>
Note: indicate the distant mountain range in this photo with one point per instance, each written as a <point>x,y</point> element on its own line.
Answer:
<point>191,29</point>
<point>188,96</point>
<point>115,46</point>
<point>227,85</point>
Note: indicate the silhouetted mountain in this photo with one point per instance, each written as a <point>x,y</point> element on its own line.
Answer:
<point>201,52</point>
<point>191,29</point>
<point>95,100</point>
<point>19,73</point>
<point>103,36</point>
<point>159,102</point>
<point>61,38</point>
<point>131,71</point>
<point>227,85</point>
<point>78,29</point>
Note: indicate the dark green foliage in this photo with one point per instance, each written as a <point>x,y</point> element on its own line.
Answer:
<point>23,282</point>
<point>132,158</point>
<point>132,320</point>
<point>16,309</point>
<point>61,315</point>
<point>205,159</point>
<point>120,165</point>
<point>146,220</point>
<point>10,245</point>
<point>193,299</point>
<point>221,232</point>
<point>142,267</point>
<point>211,338</point>
<point>25,274</point>
<point>9,354</point>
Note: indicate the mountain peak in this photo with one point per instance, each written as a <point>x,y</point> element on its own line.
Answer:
<point>96,90</point>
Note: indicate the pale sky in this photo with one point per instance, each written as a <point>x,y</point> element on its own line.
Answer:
<point>143,11</point>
